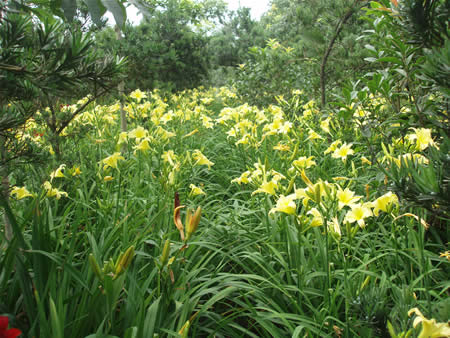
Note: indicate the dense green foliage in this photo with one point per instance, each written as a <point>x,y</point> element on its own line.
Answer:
<point>251,210</point>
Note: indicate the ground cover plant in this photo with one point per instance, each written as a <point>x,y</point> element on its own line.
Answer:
<point>211,217</point>
<point>297,231</point>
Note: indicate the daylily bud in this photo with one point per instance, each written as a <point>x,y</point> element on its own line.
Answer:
<point>95,267</point>
<point>124,260</point>
<point>165,252</point>
<point>317,194</point>
<point>305,178</point>
<point>192,225</point>
<point>177,216</point>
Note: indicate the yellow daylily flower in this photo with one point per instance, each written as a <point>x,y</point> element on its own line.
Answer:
<point>169,157</point>
<point>201,159</point>
<point>54,192</point>
<point>422,138</point>
<point>312,135</point>
<point>304,162</point>
<point>333,226</point>
<point>138,95</point>
<point>430,328</point>
<point>123,137</point>
<point>244,178</point>
<point>76,171</point>
<point>445,254</point>
<point>346,197</point>
<point>281,147</point>
<point>21,192</point>
<point>384,202</point>
<point>195,191</point>
<point>108,178</point>
<point>333,146</point>
<point>58,172</point>
<point>138,133</point>
<point>317,219</point>
<point>111,161</point>
<point>343,151</point>
<point>142,146</point>
<point>285,204</point>
<point>357,214</point>
<point>267,188</point>
<point>325,125</point>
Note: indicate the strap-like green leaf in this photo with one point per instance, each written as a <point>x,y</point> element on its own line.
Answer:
<point>117,9</point>
<point>70,8</point>
<point>96,10</point>
<point>144,8</point>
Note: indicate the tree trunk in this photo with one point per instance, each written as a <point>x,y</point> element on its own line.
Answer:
<point>120,88</point>
<point>337,31</point>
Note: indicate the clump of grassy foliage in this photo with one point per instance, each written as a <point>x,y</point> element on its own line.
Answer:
<point>299,232</point>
